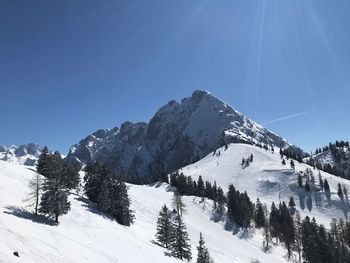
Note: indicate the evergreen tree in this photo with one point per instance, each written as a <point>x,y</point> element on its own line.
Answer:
<point>120,203</point>
<point>107,190</point>
<point>54,201</point>
<point>94,174</point>
<point>327,190</point>
<point>291,205</point>
<point>42,166</point>
<point>283,162</point>
<point>203,253</point>
<point>281,153</point>
<point>320,181</point>
<point>300,181</point>
<point>200,185</point>
<point>163,177</point>
<point>292,165</point>
<point>340,192</point>
<point>298,235</point>
<point>70,175</point>
<point>259,217</point>
<point>273,221</point>
<point>180,246</point>
<point>221,200</point>
<point>267,235</point>
<point>164,227</point>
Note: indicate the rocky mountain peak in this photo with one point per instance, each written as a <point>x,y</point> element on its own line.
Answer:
<point>178,134</point>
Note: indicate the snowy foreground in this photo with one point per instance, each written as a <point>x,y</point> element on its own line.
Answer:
<point>85,235</point>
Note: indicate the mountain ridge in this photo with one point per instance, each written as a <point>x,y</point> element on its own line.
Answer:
<point>178,134</point>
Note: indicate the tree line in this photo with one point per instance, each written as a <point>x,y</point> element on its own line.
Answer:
<point>282,223</point>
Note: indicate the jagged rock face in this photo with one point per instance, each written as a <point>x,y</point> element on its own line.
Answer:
<point>26,154</point>
<point>177,135</point>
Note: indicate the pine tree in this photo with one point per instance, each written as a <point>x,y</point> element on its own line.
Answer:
<point>163,177</point>
<point>54,201</point>
<point>300,181</point>
<point>70,175</point>
<point>292,165</point>
<point>291,205</point>
<point>267,235</point>
<point>283,162</point>
<point>259,217</point>
<point>180,246</point>
<point>327,190</point>
<point>107,190</point>
<point>164,227</point>
<point>42,167</point>
<point>120,203</point>
<point>221,200</point>
<point>201,188</point>
<point>298,235</point>
<point>203,253</point>
<point>340,192</point>
<point>320,181</point>
<point>273,221</point>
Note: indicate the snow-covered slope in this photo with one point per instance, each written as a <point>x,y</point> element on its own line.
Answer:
<point>177,135</point>
<point>334,159</point>
<point>26,154</point>
<point>266,178</point>
<point>85,235</point>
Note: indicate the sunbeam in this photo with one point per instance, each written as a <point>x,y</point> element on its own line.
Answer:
<point>259,51</point>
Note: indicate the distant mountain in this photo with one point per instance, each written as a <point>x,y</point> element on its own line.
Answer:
<point>26,154</point>
<point>177,135</point>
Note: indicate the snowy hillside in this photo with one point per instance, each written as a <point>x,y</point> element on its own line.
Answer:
<point>333,158</point>
<point>26,154</point>
<point>267,179</point>
<point>177,135</point>
<point>85,235</point>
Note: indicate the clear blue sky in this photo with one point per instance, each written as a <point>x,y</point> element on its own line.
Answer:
<point>68,68</point>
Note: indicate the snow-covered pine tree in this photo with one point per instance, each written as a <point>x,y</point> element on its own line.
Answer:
<point>165,229</point>
<point>54,201</point>
<point>180,246</point>
<point>203,252</point>
<point>35,185</point>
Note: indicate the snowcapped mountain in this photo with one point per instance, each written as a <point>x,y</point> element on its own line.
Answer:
<point>26,154</point>
<point>87,235</point>
<point>269,180</point>
<point>177,135</point>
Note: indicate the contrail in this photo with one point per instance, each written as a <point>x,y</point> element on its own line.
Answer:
<point>286,117</point>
